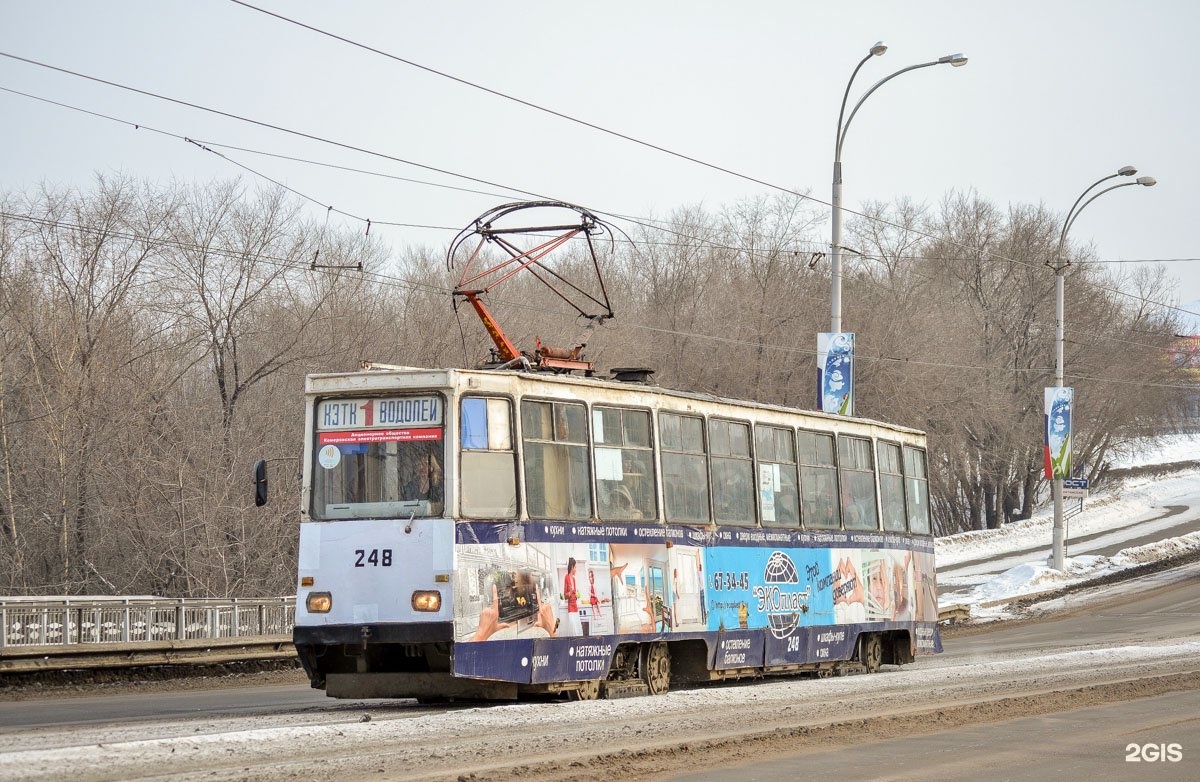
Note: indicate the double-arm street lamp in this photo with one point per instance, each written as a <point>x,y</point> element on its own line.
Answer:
<point>836,230</point>
<point>1060,265</point>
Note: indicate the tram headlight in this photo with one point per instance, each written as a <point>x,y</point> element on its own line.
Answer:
<point>318,602</point>
<point>427,600</point>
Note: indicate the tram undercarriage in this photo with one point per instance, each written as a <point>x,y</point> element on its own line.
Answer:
<point>367,669</point>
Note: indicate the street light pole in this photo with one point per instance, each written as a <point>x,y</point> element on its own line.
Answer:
<point>835,254</point>
<point>1060,266</point>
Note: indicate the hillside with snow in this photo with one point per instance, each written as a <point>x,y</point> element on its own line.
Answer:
<point>1124,524</point>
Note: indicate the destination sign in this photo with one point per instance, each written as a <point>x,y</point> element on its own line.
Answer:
<point>387,413</point>
<point>357,436</point>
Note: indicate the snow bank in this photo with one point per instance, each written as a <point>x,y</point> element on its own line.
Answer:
<point>1167,449</point>
<point>1121,511</point>
<point>990,599</point>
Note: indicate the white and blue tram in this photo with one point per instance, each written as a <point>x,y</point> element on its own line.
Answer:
<point>492,533</point>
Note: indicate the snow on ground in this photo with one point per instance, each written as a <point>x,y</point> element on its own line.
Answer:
<point>1126,510</point>
<point>1160,450</point>
<point>1132,506</point>
<point>168,748</point>
<point>989,599</point>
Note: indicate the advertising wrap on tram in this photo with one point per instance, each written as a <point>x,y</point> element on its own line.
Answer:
<point>543,601</point>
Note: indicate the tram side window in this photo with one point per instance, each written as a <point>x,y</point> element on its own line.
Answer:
<point>624,464</point>
<point>778,489</point>
<point>818,481</point>
<point>917,490</point>
<point>557,484</point>
<point>732,472</point>
<point>488,483</point>
<point>684,466</point>
<point>891,488</point>
<point>856,477</point>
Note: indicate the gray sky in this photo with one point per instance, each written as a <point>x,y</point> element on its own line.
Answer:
<point>1056,95</point>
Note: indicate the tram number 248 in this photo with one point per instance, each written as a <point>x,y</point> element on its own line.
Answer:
<point>376,557</point>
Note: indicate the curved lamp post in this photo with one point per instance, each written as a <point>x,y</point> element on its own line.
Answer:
<point>836,229</point>
<point>1060,265</point>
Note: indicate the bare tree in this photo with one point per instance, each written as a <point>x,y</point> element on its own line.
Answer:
<point>88,256</point>
<point>154,342</point>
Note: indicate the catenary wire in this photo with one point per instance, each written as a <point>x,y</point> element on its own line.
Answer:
<point>386,156</point>
<point>582,122</point>
<point>650,223</point>
<point>867,279</point>
<point>645,222</point>
<point>394,281</point>
<point>641,221</point>
<point>267,125</point>
<point>206,144</point>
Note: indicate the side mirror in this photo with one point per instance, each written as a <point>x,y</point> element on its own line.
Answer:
<point>260,483</point>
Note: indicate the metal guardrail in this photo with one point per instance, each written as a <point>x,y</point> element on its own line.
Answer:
<point>58,633</point>
<point>73,624</point>
<point>76,623</point>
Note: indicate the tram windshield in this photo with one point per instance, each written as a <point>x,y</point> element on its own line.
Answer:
<point>378,458</point>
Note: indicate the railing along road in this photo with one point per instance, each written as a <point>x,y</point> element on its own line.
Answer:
<point>50,633</point>
<point>79,625</point>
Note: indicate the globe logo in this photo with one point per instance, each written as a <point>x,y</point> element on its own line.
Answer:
<point>780,569</point>
<point>782,608</point>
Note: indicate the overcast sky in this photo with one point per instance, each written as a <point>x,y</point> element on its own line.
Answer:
<point>1055,96</point>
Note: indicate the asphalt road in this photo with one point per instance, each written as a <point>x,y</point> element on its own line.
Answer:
<point>1157,607</point>
<point>1058,743</point>
<point>1092,743</point>
<point>284,732</point>
<point>102,709</point>
<point>1146,739</point>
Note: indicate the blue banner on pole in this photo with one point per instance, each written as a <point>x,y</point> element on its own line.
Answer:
<point>835,373</point>
<point>1057,442</point>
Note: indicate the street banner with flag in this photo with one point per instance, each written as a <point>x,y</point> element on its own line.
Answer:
<point>835,373</point>
<point>1057,441</point>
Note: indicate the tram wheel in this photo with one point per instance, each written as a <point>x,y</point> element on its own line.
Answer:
<point>870,652</point>
<point>586,691</point>
<point>656,668</point>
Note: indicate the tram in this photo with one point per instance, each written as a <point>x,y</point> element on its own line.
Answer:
<point>492,533</point>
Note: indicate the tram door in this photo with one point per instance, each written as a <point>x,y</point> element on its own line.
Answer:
<point>685,586</point>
